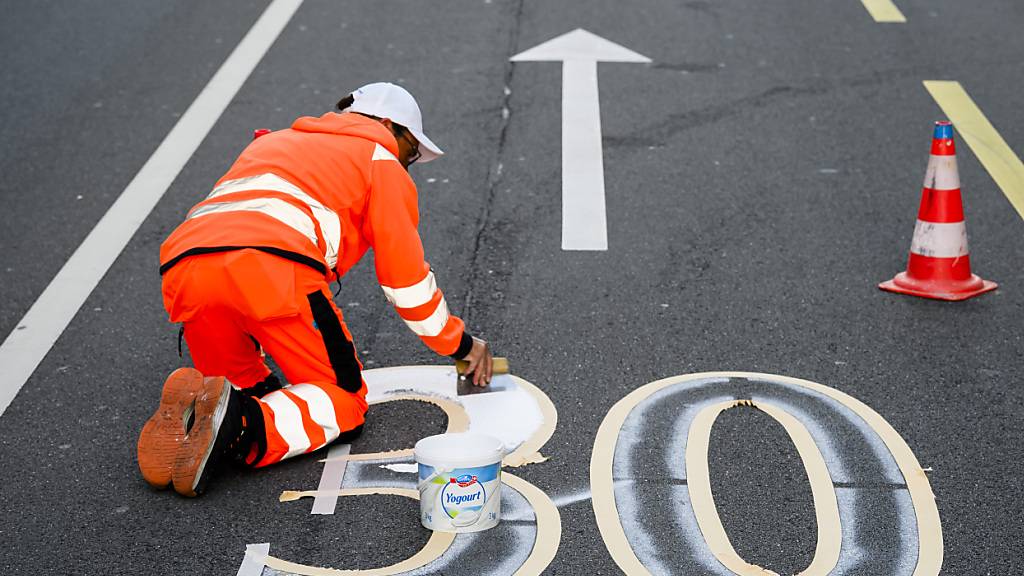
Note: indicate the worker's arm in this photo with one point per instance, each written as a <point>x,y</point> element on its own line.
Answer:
<point>407,280</point>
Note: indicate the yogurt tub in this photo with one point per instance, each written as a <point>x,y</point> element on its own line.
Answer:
<point>459,481</point>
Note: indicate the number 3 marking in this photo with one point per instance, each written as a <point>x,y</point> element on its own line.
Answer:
<point>436,385</point>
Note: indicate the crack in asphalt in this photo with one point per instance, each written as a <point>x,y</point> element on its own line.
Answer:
<point>495,175</point>
<point>658,134</point>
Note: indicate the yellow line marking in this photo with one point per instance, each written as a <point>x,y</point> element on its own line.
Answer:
<point>884,11</point>
<point>929,526</point>
<point>826,506</point>
<point>994,153</point>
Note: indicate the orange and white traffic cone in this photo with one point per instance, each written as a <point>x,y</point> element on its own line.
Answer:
<point>939,265</point>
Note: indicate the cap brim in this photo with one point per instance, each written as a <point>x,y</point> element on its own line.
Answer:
<point>428,150</point>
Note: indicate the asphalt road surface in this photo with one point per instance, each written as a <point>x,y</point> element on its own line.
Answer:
<point>762,174</point>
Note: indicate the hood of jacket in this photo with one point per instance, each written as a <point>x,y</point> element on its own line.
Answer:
<point>349,124</point>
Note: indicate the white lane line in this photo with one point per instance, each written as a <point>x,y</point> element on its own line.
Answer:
<point>32,338</point>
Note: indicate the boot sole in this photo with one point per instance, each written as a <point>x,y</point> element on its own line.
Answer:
<point>164,432</point>
<point>188,476</point>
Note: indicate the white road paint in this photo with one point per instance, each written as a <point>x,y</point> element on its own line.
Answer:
<point>823,439</point>
<point>558,501</point>
<point>488,413</point>
<point>643,539</point>
<point>675,461</point>
<point>403,468</point>
<point>584,220</point>
<point>883,457</point>
<point>32,338</point>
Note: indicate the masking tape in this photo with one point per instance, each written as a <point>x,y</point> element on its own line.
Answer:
<point>545,546</point>
<point>929,526</point>
<point>254,560</point>
<point>826,507</point>
<point>438,543</point>
<point>823,492</point>
<point>549,525</point>
<point>332,477</point>
<point>432,550</point>
<point>515,460</point>
<point>293,495</point>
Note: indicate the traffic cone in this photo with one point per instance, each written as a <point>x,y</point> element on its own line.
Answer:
<point>939,265</point>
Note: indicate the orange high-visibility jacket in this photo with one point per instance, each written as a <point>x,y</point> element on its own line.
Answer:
<point>321,193</point>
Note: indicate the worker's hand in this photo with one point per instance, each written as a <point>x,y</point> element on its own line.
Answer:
<point>481,363</point>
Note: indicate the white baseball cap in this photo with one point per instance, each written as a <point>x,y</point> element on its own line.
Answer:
<point>387,100</point>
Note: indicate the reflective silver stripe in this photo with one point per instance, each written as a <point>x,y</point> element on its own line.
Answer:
<point>273,207</point>
<point>330,225</point>
<point>288,421</point>
<point>418,294</point>
<point>432,325</point>
<point>321,409</point>
<point>382,153</point>
<point>942,173</point>
<point>939,240</point>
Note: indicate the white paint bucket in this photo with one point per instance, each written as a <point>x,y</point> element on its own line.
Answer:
<point>460,481</point>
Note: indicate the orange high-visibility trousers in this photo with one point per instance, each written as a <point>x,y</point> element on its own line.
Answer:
<point>233,303</point>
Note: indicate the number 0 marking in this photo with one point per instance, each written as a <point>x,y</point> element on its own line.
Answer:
<point>826,507</point>
<point>929,528</point>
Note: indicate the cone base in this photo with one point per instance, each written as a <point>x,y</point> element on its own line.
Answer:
<point>903,284</point>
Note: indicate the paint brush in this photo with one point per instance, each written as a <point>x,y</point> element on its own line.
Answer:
<point>501,380</point>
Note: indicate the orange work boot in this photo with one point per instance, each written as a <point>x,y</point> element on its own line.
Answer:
<point>165,431</point>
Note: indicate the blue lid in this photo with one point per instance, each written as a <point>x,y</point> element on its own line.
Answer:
<point>943,130</point>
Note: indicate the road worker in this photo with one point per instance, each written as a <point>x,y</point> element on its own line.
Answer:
<point>247,273</point>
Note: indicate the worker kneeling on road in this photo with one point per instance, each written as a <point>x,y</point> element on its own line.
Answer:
<point>248,272</point>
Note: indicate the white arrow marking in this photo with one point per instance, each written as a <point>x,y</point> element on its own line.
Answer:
<point>584,223</point>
